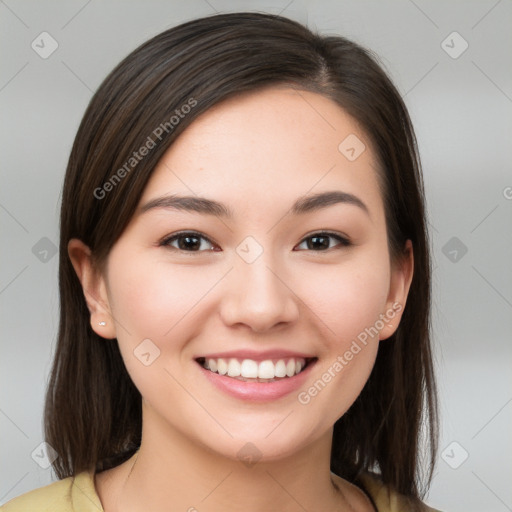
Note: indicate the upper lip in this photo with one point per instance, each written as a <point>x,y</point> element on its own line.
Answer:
<point>256,355</point>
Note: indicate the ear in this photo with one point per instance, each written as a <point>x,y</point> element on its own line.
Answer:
<point>401,278</point>
<point>94,288</point>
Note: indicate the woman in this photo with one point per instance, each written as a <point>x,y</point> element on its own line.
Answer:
<point>244,282</point>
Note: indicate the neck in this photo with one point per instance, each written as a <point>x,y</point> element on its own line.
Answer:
<point>170,472</point>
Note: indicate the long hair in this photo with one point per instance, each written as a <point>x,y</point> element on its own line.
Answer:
<point>93,411</point>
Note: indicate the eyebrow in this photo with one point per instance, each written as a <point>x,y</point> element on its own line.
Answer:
<point>211,207</point>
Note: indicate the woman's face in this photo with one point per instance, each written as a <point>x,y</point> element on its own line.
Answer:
<point>258,279</point>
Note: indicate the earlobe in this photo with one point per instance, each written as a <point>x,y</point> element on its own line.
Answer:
<point>94,289</point>
<point>401,279</point>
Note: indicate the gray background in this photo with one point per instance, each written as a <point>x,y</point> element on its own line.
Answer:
<point>461,108</point>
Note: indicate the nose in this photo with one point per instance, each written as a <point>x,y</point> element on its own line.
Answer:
<point>258,296</point>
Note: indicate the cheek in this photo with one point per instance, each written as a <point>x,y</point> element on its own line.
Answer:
<point>151,297</point>
<point>348,301</point>
<point>348,298</point>
<point>155,302</point>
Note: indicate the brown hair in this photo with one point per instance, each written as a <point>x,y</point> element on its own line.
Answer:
<point>93,414</point>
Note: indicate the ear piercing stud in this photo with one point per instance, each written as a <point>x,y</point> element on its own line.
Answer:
<point>102,323</point>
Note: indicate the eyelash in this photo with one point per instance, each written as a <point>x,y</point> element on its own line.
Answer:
<point>344,242</point>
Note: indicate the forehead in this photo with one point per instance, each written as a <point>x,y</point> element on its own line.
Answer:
<point>269,147</point>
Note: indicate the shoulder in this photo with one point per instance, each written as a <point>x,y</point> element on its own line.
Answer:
<point>69,494</point>
<point>385,499</point>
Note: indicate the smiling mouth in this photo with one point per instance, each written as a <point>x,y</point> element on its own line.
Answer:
<point>249,370</point>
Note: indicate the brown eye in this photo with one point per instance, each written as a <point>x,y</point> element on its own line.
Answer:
<point>323,241</point>
<point>188,241</point>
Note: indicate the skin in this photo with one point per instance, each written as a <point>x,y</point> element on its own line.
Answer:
<point>256,153</point>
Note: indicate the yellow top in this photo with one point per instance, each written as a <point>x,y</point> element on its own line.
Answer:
<point>79,495</point>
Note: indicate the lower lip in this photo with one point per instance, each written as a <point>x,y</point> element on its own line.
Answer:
<point>257,391</point>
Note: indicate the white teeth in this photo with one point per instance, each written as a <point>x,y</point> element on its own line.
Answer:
<point>250,369</point>
<point>233,368</point>
<point>266,370</point>
<point>280,368</point>
<point>290,368</point>
<point>222,367</point>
